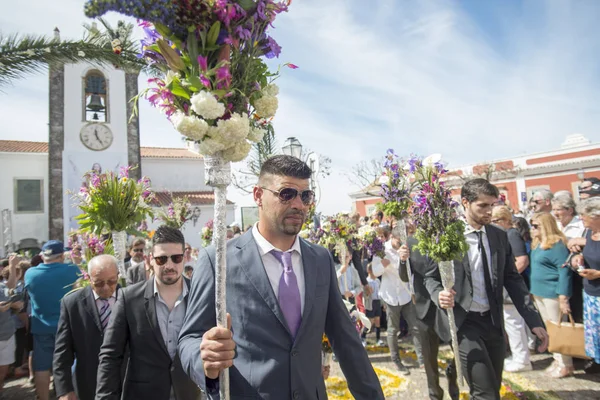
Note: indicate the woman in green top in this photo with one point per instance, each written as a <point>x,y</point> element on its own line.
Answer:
<point>550,281</point>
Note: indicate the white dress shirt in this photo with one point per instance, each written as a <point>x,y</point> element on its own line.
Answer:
<point>392,290</point>
<point>480,299</point>
<point>273,267</point>
<point>111,300</point>
<point>574,229</point>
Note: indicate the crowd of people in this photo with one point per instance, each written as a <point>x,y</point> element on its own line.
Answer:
<point>153,333</point>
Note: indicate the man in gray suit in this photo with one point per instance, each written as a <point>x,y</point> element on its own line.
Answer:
<point>282,295</point>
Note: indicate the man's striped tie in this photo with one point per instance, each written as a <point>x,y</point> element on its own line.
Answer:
<point>104,313</point>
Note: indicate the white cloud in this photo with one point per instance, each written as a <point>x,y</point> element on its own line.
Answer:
<point>420,77</point>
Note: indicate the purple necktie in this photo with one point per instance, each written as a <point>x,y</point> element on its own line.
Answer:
<point>289,294</point>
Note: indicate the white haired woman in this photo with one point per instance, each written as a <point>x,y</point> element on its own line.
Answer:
<point>589,268</point>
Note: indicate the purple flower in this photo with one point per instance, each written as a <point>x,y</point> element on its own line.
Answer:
<point>203,62</point>
<point>271,48</point>
<point>223,77</point>
<point>124,171</point>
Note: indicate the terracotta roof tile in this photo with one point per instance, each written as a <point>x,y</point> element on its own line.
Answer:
<point>195,198</point>
<point>18,146</point>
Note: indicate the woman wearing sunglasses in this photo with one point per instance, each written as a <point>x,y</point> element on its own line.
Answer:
<point>551,284</point>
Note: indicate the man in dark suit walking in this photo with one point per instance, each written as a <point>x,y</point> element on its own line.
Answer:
<point>282,293</point>
<point>148,317</point>
<point>477,297</point>
<point>84,316</point>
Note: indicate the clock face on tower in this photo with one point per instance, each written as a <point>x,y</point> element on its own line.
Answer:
<point>96,137</point>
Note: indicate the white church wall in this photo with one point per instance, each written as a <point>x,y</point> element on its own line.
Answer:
<point>24,166</point>
<point>175,175</point>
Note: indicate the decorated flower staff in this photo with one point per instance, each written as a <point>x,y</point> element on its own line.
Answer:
<point>338,234</point>
<point>440,234</point>
<point>114,204</point>
<point>207,233</point>
<point>215,87</point>
<point>176,214</point>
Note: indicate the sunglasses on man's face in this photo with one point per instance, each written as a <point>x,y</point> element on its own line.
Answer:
<point>289,194</point>
<point>162,260</point>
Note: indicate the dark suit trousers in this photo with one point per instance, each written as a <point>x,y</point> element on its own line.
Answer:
<point>430,343</point>
<point>482,350</point>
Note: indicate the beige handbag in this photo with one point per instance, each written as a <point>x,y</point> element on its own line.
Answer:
<point>566,338</point>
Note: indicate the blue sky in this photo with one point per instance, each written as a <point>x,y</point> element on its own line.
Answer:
<point>473,80</point>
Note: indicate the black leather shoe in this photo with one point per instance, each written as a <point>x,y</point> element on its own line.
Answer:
<point>401,367</point>
<point>592,368</point>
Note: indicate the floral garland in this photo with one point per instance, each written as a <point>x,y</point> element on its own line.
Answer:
<point>337,387</point>
<point>396,187</point>
<point>177,213</point>
<point>112,202</point>
<point>207,233</point>
<point>440,233</point>
<point>214,87</point>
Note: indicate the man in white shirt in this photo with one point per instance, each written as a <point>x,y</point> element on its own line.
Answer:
<point>396,293</point>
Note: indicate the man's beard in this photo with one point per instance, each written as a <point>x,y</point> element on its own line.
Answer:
<point>169,280</point>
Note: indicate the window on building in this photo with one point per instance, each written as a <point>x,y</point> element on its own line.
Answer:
<point>29,195</point>
<point>95,97</point>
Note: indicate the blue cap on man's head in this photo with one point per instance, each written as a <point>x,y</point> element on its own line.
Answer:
<point>53,248</point>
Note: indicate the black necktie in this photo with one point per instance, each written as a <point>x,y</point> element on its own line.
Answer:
<point>486,277</point>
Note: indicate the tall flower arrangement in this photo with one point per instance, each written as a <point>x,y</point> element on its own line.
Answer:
<point>176,214</point>
<point>371,242</point>
<point>396,187</point>
<point>207,233</point>
<point>215,87</point>
<point>440,233</point>
<point>115,204</point>
<point>338,233</point>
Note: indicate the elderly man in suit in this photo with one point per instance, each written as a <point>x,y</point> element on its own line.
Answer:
<point>282,294</point>
<point>477,297</point>
<point>147,318</point>
<point>83,319</point>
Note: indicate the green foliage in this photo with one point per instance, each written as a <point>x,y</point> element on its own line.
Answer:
<point>24,54</point>
<point>451,245</point>
<point>112,203</point>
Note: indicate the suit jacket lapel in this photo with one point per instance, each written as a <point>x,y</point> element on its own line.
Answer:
<point>251,262</point>
<point>90,306</point>
<point>150,306</point>
<point>309,264</point>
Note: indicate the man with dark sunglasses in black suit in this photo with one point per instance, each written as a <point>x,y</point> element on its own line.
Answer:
<point>147,318</point>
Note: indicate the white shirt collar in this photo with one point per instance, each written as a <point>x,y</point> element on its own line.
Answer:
<point>264,246</point>
<point>96,297</point>
<point>469,229</point>
<point>183,293</point>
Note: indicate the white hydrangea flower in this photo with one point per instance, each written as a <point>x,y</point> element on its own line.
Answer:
<point>210,146</point>
<point>190,126</point>
<point>207,106</point>
<point>271,90</point>
<point>256,134</point>
<point>233,130</point>
<point>266,106</point>
<point>238,152</point>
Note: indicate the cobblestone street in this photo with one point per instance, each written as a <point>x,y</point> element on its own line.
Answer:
<point>533,385</point>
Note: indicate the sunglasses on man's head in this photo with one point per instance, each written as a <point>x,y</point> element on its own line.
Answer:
<point>289,194</point>
<point>162,260</point>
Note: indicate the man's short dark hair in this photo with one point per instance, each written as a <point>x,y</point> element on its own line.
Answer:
<point>282,165</point>
<point>592,179</point>
<point>166,234</point>
<point>477,187</point>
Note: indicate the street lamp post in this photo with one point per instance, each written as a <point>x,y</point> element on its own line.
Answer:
<point>292,147</point>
